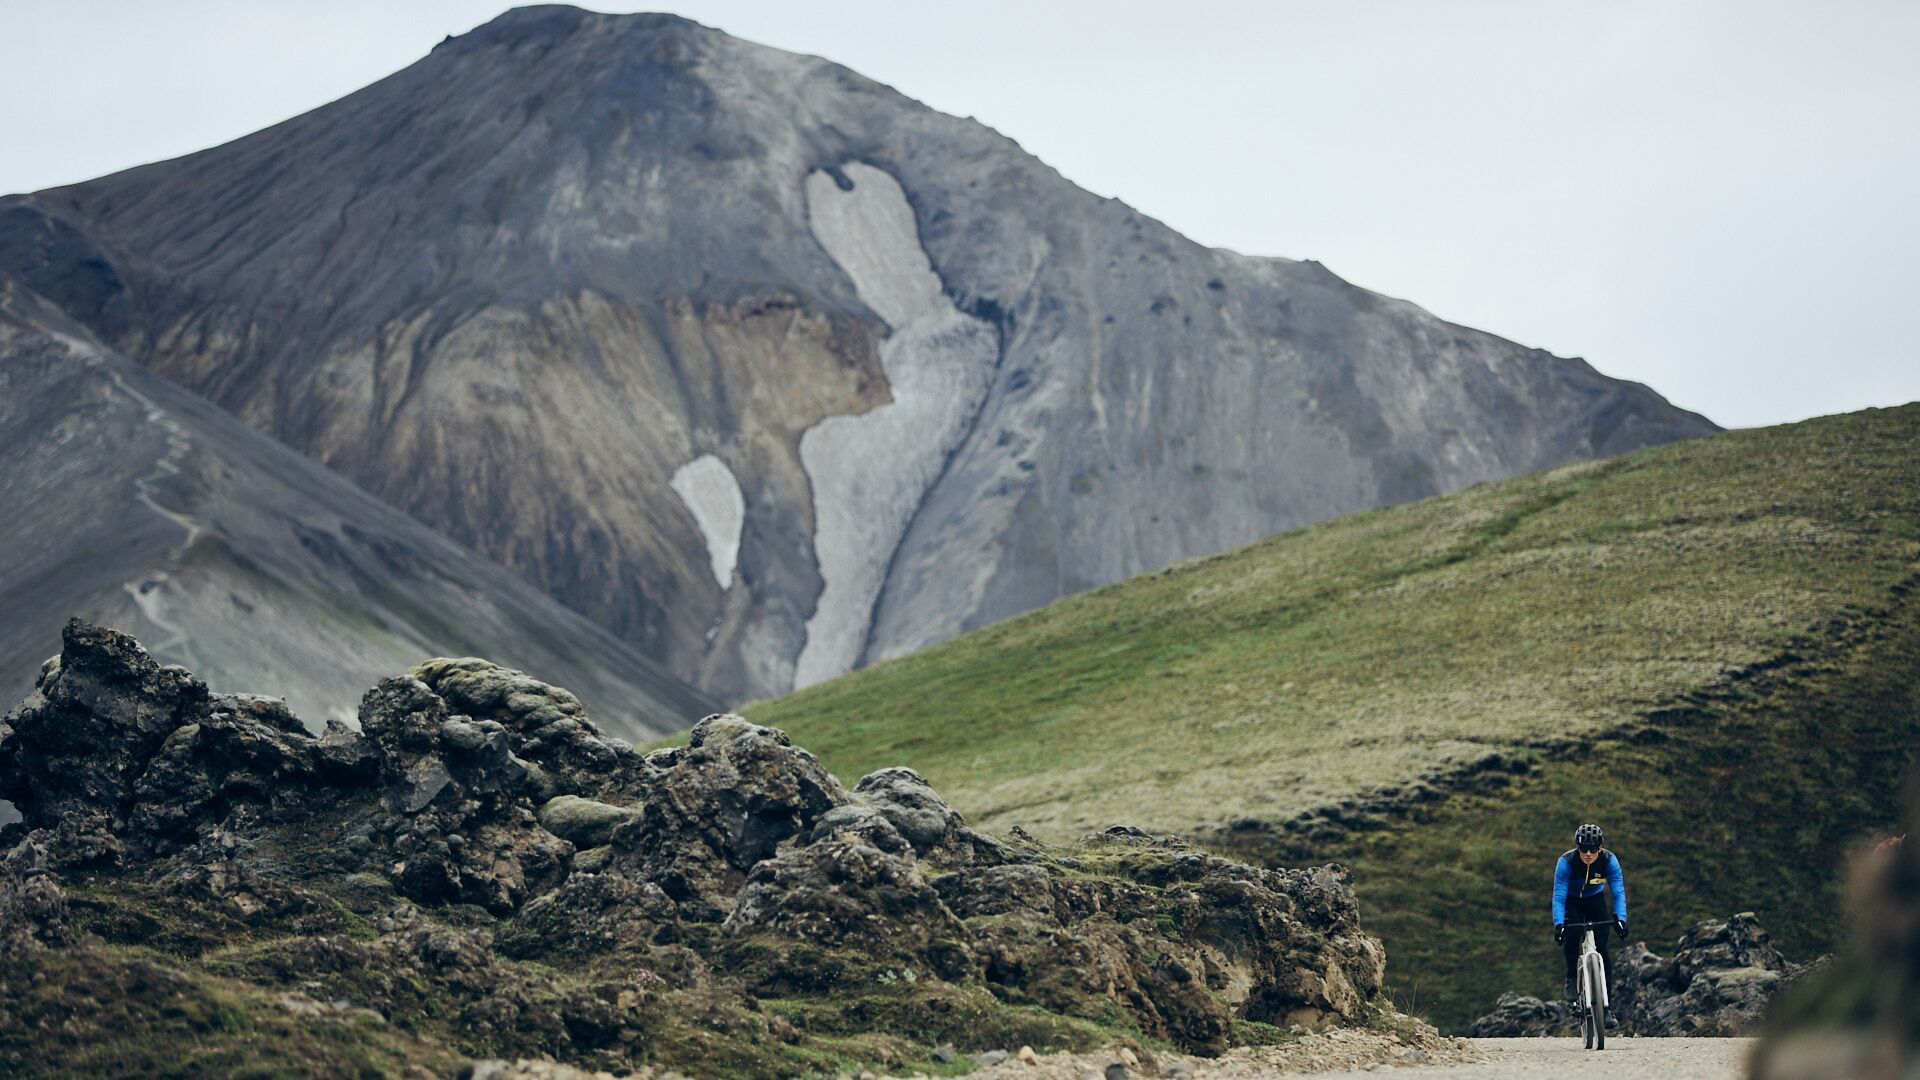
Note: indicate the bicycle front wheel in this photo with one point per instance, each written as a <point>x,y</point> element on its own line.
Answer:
<point>1597,1023</point>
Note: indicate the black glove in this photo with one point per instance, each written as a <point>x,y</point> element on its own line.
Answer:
<point>1559,935</point>
<point>1621,926</point>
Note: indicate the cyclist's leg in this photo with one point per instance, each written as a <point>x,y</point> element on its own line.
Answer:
<point>1570,947</point>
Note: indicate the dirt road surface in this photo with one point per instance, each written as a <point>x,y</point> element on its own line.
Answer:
<point>1556,1059</point>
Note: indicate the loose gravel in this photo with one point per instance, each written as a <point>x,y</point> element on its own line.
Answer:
<point>1315,1053</point>
<point>1623,1059</point>
<point>1333,1055</point>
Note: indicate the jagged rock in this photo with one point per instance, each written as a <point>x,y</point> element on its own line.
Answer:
<point>741,868</point>
<point>936,830</point>
<point>1519,1016</point>
<point>1001,890</point>
<point>220,876</point>
<point>33,907</point>
<point>1719,982</point>
<point>862,824</point>
<point>1721,978</point>
<point>1186,940</point>
<point>904,799</point>
<point>585,823</point>
<point>550,727</point>
<point>722,805</point>
<point>240,749</point>
<point>459,802</point>
<point>116,758</point>
<point>1739,942</point>
<point>81,741</point>
<point>599,914</point>
<point>847,893</point>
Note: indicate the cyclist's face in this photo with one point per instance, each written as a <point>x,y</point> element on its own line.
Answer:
<point>1588,856</point>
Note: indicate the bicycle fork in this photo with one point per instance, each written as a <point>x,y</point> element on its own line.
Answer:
<point>1593,974</point>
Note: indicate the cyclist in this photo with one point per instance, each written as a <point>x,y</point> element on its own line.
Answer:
<point>1578,880</point>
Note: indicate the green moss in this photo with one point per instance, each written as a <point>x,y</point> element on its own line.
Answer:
<point>1255,1033</point>
<point>97,1014</point>
<point>137,913</point>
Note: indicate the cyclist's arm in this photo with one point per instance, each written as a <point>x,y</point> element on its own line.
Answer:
<point>1560,891</point>
<point>1617,885</point>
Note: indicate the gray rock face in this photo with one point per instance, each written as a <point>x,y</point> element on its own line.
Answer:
<point>764,366</point>
<point>1719,982</point>
<point>135,503</point>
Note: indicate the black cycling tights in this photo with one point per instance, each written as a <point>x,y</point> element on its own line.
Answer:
<point>1589,909</point>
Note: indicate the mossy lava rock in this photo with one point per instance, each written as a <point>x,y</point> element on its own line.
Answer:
<point>484,871</point>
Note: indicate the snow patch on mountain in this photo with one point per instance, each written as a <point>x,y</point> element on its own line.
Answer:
<point>712,495</point>
<point>871,471</point>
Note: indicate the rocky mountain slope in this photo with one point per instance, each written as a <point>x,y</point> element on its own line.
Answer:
<point>764,366</point>
<point>132,501</point>
<point>1708,647</point>
<point>201,887</point>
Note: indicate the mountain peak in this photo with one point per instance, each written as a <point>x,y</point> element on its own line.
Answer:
<point>552,20</point>
<point>546,24</point>
<point>577,289</point>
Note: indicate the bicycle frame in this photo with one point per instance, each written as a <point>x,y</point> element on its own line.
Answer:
<point>1593,972</point>
<point>1593,988</point>
<point>1592,967</point>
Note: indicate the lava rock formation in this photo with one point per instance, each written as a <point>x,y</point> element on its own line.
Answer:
<point>483,871</point>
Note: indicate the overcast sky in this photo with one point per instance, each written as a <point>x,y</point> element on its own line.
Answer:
<point>1717,199</point>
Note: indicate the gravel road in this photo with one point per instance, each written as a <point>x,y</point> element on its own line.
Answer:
<point>1623,1059</point>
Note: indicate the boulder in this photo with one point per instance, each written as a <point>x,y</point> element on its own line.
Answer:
<point>1517,1016</point>
<point>583,822</point>
<point>936,830</point>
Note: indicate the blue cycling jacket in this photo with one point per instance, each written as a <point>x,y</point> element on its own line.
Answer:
<point>1604,873</point>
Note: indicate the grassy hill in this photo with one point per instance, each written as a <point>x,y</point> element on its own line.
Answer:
<point>1710,647</point>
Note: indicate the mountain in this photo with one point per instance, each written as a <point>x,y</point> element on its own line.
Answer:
<point>764,366</point>
<point>1712,649</point>
<point>134,503</point>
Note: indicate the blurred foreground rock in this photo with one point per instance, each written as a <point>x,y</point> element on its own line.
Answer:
<point>1860,1017</point>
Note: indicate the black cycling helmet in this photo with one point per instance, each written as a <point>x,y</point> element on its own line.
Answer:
<point>1587,838</point>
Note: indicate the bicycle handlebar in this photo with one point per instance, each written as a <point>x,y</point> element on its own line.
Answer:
<point>1584,925</point>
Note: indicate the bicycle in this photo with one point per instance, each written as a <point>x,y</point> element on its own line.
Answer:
<point>1593,988</point>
